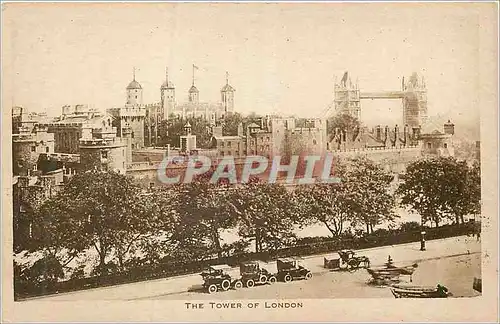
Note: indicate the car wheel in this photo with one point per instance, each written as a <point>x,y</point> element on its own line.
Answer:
<point>271,279</point>
<point>250,283</point>
<point>287,278</point>
<point>226,284</point>
<point>309,275</point>
<point>212,289</point>
<point>262,279</point>
<point>238,285</point>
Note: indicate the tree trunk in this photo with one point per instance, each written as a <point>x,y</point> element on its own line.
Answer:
<point>367,228</point>
<point>332,231</point>
<point>216,240</point>
<point>257,240</point>
<point>371,228</point>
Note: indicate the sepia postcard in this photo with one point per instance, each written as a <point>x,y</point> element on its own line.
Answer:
<point>250,161</point>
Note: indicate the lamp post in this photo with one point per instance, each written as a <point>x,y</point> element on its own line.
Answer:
<point>422,240</point>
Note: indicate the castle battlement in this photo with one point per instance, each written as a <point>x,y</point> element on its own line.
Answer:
<point>128,111</point>
<point>377,149</point>
<point>101,142</point>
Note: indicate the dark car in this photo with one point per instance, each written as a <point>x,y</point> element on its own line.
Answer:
<point>291,268</point>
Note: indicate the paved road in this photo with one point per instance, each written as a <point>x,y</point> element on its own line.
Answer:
<point>456,273</point>
<point>178,287</point>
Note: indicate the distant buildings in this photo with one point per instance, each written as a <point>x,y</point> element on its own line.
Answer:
<point>194,108</point>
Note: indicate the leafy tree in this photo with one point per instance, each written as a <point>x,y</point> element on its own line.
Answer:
<point>171,130</point>
<point>328,204</point>
<point>265,214</point>
<point>204,213</point>
<point>101,210</point>
<point>441,188</point>
<point>473,188</point>
<point>367,188</point>
<point>231,122</point>
<point>343,122</point>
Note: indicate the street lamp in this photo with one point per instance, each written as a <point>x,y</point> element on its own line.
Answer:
<point>422,241</point>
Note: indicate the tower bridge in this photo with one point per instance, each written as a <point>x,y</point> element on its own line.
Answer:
<point>413,96</point>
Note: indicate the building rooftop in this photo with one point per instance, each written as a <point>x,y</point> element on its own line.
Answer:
<point>227,88</point>
<point>134,85</point>
<point>193,89</point>
<point>167,85</point>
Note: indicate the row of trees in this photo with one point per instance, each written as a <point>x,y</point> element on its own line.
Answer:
<point>126,225</point>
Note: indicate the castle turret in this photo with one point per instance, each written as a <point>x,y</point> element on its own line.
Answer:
<point>415,101</point>
<point>188,141</point>
<point>100,149</point>
<point>167,91</point>
<point>194,94</point>
<point>227,97</point>
<point>134,93</point>
<point>347,99</point>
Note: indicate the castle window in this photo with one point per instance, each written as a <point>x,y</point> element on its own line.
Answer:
<point>429,145</point>
<point>445,145</point>
<point>222,153</point>
<point>228,144</point>
<point>33,149</point>
<point>47,149</point>
<point>135,97</point>
<point>314,142</point>
<point>104,154</point>
<point>132,135</point>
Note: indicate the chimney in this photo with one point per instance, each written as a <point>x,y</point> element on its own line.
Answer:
<point>449,128</point>
<point>378,132</point>
<point>240,129</point>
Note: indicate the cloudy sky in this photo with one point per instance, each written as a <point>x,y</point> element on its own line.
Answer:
<point>280,57</point>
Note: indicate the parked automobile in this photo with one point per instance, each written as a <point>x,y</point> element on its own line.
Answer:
<point>216,278</point>
<point>291,268</point>
<point>253,272</point>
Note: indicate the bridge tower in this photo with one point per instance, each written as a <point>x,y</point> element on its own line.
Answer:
<point>414,101</point>
<point>347,99</point>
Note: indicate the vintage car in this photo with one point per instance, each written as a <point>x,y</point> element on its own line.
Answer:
<point>292,268</point>
<point>216,278</point>
<point>254,272</point>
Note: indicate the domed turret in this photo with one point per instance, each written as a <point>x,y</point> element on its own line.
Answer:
<point>134,93</point>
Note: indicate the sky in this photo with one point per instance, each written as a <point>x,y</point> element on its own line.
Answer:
<point>281,58</point>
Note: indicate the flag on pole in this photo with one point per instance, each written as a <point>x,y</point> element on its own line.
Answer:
<point>195,67</point>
